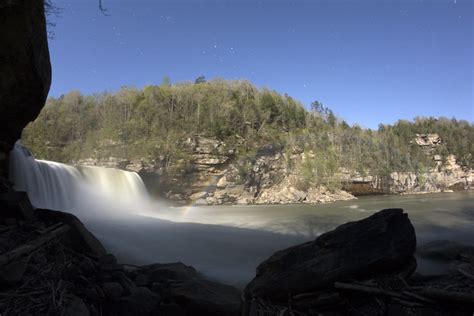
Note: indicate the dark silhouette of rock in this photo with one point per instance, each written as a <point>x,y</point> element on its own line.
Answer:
<point>112,290</point>
<point>74,306</point>
<point>178,271</point>
<point>183,285</point>
<point>204,297</point>
<point>16,204</point>
<point>382,243</point>
<point>13,272</point>
<point>140,302</point>
<point>24,67</point>
<point>81,237</point>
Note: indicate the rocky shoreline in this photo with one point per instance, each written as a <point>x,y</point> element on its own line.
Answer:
<point>51,264</point>
<point>213,176</point>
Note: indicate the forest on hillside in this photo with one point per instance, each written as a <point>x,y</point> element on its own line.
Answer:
<point>155,121</point>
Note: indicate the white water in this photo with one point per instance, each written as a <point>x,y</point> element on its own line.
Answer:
<point>79,190</point>
<point>223,242</point>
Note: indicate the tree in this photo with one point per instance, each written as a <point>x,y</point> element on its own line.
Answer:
<point>165,82</point>
<point>200,79</point>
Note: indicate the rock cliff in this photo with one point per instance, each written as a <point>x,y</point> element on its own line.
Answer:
<point>25,69</point>
<point>216,173</point>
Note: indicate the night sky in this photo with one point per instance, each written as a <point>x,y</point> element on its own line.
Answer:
<point>369,61</point>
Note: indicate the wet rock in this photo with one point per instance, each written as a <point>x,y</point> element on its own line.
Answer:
<point>381,243</point>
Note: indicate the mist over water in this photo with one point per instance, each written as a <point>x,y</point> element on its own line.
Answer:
<point>79,190</point>
<point>223,242</point>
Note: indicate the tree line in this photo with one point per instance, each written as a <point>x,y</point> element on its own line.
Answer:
<point>152,123</point>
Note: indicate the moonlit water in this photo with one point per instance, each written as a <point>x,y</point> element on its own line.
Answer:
<point>225,243</point>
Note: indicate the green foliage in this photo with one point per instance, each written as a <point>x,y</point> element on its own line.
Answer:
<point>154,123</point>
<point>200,79</point>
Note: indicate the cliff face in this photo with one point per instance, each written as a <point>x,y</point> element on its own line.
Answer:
<point>217,174</point>
<point>446,175</point>
<point>24,67</point>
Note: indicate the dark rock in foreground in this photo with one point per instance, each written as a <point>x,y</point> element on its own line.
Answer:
<point>361,268</point>
<point>24,66</point>
<point>382,243</point>
<point>184,286</point>
<point>60,268</point>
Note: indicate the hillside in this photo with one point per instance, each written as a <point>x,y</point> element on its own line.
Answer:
<point>227,142</point>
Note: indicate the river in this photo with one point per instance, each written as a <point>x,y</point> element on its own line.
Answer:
<point>226,243</point>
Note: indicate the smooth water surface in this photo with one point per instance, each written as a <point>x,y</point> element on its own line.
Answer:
<point>228,242</point>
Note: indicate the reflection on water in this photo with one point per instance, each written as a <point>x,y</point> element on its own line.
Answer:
<point>228,242</point>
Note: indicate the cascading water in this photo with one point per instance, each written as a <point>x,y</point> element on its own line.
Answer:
<point>229,241</point>
<point>62,187</point>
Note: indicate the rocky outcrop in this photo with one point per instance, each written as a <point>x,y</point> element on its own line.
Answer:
<point>25,68</point>
<point>364,268</point>
<point>428,141</point>
<point>216,174</point>
<point>183,284</point>
<point>446,176</point>
<point>61,268</point>
<point>285,193</point>
<point>382,243</point>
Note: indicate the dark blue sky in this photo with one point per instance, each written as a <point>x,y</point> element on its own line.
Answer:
<point>370,61</point>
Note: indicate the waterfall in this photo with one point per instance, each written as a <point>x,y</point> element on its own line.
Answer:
<point>62,187</point>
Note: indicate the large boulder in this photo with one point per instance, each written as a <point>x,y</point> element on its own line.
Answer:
<point>24,67</point>
<point>183,285</point>
<point>381,243</point>
<point>80,236</point>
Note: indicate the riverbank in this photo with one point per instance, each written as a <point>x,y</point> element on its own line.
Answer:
<point>50,263</point>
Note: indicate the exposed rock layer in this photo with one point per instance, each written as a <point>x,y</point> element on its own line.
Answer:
<point>216,175</point>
